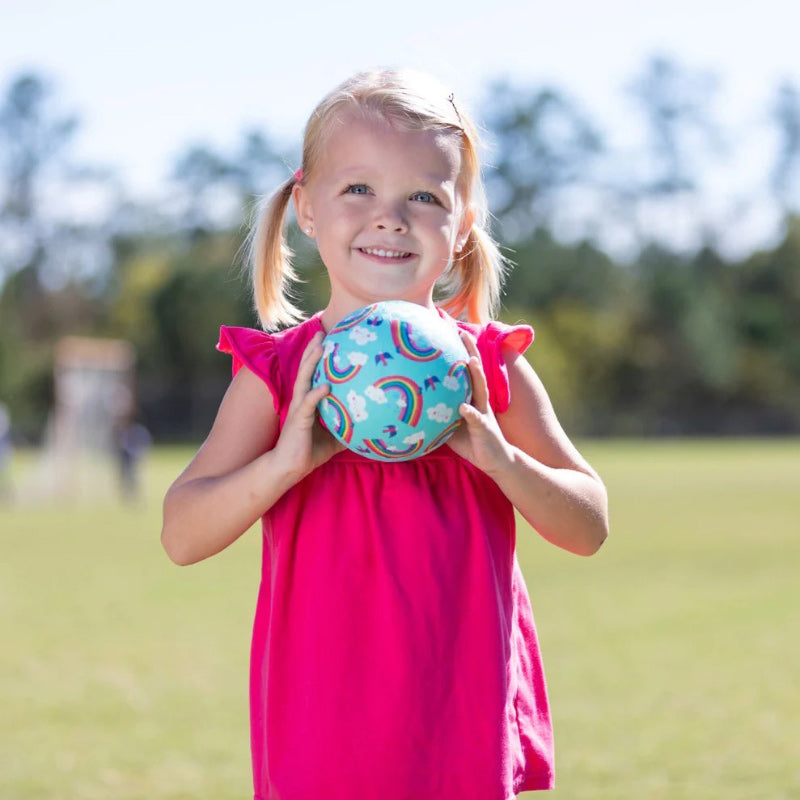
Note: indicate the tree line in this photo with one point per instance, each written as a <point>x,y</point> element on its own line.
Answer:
<point>648,320</point>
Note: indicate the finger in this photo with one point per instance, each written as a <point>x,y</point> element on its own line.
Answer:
<point>469,414</point>
<point>313,351</point>
<point>480,389</point>
<point>302,413</point>
<point>304,403</point>
<point>470,342</point>
<point>308,362</point>
<point>314,396</point>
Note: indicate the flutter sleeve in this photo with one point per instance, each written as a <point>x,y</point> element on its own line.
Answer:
<point>491,341</point>
<point>256,351</point>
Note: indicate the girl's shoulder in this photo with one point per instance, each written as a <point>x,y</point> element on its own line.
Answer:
<point>518,336</point>
<point>271,356</point>
<point>496,341</point>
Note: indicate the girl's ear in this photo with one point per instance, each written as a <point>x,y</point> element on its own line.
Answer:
<point>464,227</point>
<point>302,208</point>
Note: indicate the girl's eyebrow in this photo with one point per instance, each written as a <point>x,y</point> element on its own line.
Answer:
<point>361,172</point>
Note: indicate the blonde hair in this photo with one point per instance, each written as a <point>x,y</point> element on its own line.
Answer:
<point>472,284</point>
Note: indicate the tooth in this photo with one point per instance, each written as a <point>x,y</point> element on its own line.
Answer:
<point>381,253</point>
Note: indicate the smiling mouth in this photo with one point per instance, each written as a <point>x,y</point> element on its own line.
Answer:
<point>380,252</point>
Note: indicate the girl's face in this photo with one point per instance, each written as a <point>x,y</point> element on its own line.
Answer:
<point>383,207</point>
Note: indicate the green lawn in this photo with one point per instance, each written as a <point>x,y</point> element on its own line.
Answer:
<point>672,656</point>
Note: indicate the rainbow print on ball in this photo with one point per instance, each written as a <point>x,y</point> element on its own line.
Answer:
<point>401,336</point>
<point>410,400</point>
<point>333,372</point>
<point>376,362</point>
<point>352,320</point>
<point>444,435</point>
<point>378,447</point>
<point>343,427</point>
<point>456,371</point>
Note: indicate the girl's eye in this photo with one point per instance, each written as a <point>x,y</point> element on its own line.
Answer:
<point>423,197</point>
<point>357,188</point>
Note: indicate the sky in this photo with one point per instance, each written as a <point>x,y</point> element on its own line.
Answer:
<point>148,78</point>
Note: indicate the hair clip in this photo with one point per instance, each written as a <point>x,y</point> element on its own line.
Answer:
<point>298,175</point>
<point>452,101</point>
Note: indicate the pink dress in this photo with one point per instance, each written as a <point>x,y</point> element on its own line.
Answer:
<point>394,654</point>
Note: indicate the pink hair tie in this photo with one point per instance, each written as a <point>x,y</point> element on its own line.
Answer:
<point>298,176</point>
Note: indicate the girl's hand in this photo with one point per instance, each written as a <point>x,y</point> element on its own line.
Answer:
<point>479,439</point>
<point>304,444</point>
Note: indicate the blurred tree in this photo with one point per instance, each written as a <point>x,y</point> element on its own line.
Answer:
<point>668,342</point>
<point>53,212</point>
<point>661,192</point>
<point>673,102</point>
<point>205,200</point>
<point>169,300</point>
<point>786,171</point>
<point>767,314</point>
<point>32,139</point>
<point>215,190</point>
<point>542,143</point>
<point>547,271</point>
<point>581,304</point>
<point>54,242</point>
<point>260,165</point>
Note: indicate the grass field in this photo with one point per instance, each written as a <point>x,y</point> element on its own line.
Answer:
<point>672,656</point>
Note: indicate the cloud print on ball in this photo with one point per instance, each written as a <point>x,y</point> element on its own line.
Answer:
<point>398,373</point>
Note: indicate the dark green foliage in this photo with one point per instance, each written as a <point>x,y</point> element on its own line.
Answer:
<point>669,344</point>
<point>662,342</point>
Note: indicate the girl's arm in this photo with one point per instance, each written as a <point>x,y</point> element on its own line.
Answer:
<point>526,451</point>
<point>241,470</point>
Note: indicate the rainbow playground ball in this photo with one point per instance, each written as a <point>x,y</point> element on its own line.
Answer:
<point>398,373</point>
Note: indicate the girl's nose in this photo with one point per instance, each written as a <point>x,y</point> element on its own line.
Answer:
<point>391,218</point>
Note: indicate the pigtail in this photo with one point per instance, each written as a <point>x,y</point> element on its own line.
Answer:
<point>270,260</point>
<point>474,282</point>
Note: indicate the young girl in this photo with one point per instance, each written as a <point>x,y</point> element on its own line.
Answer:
<point>394,652</point>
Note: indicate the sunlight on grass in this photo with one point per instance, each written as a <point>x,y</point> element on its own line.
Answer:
<point>670,656</point>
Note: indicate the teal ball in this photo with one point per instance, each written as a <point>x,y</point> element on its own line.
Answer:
<point>398,373</point>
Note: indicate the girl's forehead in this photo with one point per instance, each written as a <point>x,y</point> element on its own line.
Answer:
<point>359,138</point>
